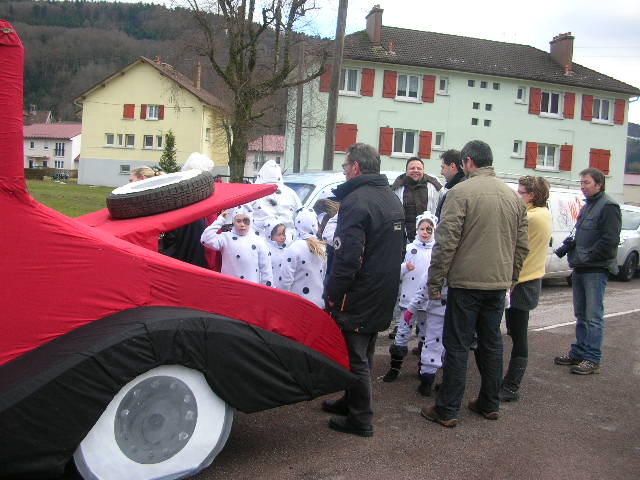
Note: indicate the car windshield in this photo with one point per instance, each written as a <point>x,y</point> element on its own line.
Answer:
<point>302,189</point>
<point>630,220</point>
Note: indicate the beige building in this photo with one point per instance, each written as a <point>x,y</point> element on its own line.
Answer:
<point>126,116</point>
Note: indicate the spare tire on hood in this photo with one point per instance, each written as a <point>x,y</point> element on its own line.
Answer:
<point>160,194</point>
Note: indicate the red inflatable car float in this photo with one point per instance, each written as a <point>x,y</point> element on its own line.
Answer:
<point>127,361</point>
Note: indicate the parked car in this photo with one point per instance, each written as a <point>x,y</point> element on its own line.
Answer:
<point>629,246</point>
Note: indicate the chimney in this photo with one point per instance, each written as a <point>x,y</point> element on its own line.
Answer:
<point>157,59</point>
<point>374,24</point>
<point>197,75</point>
<point>561,50</point>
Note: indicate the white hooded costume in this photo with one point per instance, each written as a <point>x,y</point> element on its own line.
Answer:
<point>276,250</point>
<point>243,256</point>
<point>284,203</point>
<point>302,271</point>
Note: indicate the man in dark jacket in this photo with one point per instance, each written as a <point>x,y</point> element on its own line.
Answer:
<point>451,170</point>
<point>362,288</point>
<point>592,253</point>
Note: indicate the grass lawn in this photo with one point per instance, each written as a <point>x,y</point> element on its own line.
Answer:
<point>69,198</point>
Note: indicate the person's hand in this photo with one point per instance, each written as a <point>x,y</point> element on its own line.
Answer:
<point>435,296</point>
<point>407,317</point>
<point>410,265</point>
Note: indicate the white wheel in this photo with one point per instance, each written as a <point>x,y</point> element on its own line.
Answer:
<point>164,424</point>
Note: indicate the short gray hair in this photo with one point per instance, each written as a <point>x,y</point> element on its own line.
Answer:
<point>479,152</point>
<point>366,156</point>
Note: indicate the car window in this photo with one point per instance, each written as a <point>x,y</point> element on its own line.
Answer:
<point>630,220</point>
<point>302,189</point>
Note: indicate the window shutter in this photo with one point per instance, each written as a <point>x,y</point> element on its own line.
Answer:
<point>389,84</point>
<point>605,156</point>
<point>386,141</point>
<point>428,88</point>
<point>346,135</point>
<point>569,104</point>
<point>143,111</point>
<point>535,99</point>
<point>160,112</point>
<point>618,112</point>
<point>366,85</point>
<point>325,78</point>
<point>566,155</point>
<point>129,110</point>
<point>424,146</point>
<point>531,155</point>
<point>587,107</point>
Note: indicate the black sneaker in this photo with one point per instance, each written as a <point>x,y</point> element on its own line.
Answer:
<point>586,367</point>
<point>508,395</point>
<point>566,360</point>
<point>345,426</point>
<point>391,375</point>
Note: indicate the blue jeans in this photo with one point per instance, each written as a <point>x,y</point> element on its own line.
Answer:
<point>588,307</point>
<point>471,312</point>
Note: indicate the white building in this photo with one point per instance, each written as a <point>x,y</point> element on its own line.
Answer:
<point>52,145</point>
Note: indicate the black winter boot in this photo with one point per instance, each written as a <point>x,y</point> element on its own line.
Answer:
<point>394,370</point>
<point>511,382</point>
<point>426,380</point>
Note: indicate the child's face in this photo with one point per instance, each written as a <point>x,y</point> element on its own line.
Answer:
<point>242,223</point>
<point>278,235</point>
<point>425,231</point>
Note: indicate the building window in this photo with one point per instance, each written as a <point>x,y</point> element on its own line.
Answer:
<point>59,150</point>
<point>152,112</point>
<point>547,156</point>
<point>147,141</point>
<point>32,144</point>
<point>521,95</point>
<point>129,141</point>
<point>443,86</point>
<point>438,140</point>
<point>474,121</point>
<point>602,110</point>
<point>550,103</point>
<point>125,169</point>
<point>108,139</point>
<point>476,105</point>
<point>120,140</point>
<point>349,80</point>
<point>517,149</point>
<point>483,84</point>
<point>404,142</point>
<point>496,86</point>
<point>278,160</point>
<point>487,123</point>
<point>488,107</point>
<point>46,144</point>
<point>207,134</point>
<point>58,163</point>
<point>407,86</point>
<point>471,83</point>
<point>159,141</point>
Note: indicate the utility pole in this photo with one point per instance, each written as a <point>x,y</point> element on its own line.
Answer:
<point>297,136</point>
<point>332,109</point>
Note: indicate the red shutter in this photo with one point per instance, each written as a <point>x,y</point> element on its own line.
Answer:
<point>587,107</point>
<point>531,155</point>
<point>605,156</point>
<point>143,111</point>
<point>569,104</point>
<point>386,141</point>
<point>566,155</point>
<point>535,98</point>
<point>389,84</point>
<point>325,78</point>
<point>129,110</point>
<point>368,79</point>
<point>160,112</point>
<point>618,113</point>
<point>346,135</point>
<point>594,158</point>
<point>428,88</point>
<point>424,146</point>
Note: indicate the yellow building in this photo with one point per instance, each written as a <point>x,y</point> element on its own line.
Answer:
<point>126,116</point>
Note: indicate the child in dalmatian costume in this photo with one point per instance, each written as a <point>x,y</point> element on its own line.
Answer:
<point>275,233</point>
<point>244,254</point>
<point>284,203</point>
<point>305,263</point>
<point>413,273</point>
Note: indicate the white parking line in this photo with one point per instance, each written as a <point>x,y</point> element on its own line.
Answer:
<point>564,324</point>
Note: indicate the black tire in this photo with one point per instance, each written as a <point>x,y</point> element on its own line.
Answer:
<point>628,269</point>
<point>158,195</point>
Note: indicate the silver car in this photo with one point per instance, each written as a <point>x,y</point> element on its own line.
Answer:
<point>629,246</point>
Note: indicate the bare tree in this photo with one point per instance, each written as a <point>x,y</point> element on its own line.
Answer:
<point>252,73</point>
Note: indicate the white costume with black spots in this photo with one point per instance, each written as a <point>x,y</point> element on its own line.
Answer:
<point>302,271</point>
<point>284,203</point>
<point>276,250</point>
<point>243,256</point>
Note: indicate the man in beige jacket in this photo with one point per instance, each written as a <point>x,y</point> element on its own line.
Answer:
<point>481,243</point>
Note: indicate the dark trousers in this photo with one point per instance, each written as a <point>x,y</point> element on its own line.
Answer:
<point>517,324</point>
<point>468,312</point>
<point>361,347</point>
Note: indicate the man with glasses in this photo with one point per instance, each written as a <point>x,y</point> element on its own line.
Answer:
<point>361,290</point>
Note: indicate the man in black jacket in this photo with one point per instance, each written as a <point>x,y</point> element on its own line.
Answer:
<point>362,288</point>
<point>592,253</point>
<point>451,170</point>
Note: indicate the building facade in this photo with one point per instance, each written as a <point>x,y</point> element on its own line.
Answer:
<point>52,145</point>
<point>261,150</point>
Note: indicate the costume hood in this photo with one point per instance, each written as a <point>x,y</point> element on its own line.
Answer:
<point>269,173</point>
<point>306,224</point>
